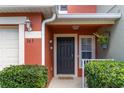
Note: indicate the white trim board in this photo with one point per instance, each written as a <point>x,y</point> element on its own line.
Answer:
<point>104,16</point>
<point>33,34</point>
<point>21,44</point>
<point>93,46</point>
<point>12,20</point>
<point>55,53</point>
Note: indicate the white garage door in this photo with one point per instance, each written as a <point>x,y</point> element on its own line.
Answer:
<point>9,46</point>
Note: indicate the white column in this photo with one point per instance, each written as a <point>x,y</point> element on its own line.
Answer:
<point>21,44</point>
<point>43,45</point>
<point>83,77</point>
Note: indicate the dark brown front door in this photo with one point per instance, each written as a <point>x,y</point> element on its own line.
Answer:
<point>65,55</point>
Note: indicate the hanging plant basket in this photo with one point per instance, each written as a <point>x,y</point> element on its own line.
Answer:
<point>104,46</point>
<point>102,39</point>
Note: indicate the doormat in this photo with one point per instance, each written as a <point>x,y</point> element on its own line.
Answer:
<point>65,77</point>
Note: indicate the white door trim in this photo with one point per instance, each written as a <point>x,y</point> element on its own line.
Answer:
<point>55,52</point>
<point>93,46</point>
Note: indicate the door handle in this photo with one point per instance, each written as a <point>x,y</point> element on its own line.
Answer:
<point>72,55</point>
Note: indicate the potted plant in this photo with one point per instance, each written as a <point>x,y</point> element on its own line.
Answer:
<point>102,39</point>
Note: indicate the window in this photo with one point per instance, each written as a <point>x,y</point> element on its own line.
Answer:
<point>62,9</point>
<point>86,45</point>
<point>87,48</point>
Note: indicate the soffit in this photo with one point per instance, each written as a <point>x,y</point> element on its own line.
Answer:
<point>46,9</point>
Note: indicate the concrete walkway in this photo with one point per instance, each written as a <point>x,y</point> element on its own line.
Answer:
<point>65,83</point>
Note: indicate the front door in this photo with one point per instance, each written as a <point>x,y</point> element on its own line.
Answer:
<point>65,55</point>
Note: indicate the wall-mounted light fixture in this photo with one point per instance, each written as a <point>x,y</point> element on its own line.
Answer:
<point>28,25</point>
<point>75,27</point>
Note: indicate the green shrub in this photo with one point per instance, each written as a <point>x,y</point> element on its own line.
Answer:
<point>24,76</point>
<point>105,74</point>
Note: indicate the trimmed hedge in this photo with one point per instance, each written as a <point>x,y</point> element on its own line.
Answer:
<point>105,74</point>
<point>24,76</point>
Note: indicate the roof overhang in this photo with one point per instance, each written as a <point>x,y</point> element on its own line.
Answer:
<point>12,20</point>
<point>86,18</point>
<point>47,10</point>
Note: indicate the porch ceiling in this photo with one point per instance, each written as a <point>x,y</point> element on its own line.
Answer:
<point>86,18</point>
<point>81,27</point>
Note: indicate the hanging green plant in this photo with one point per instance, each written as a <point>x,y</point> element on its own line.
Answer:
<point>102,39</point>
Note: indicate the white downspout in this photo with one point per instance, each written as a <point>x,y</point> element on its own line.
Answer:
<point>43,36</point>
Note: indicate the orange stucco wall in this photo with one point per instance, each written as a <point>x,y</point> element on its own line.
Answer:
<point>49,52</point>
<point>81,8</point>
<point>32,45</point>
<point>32,51</point>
